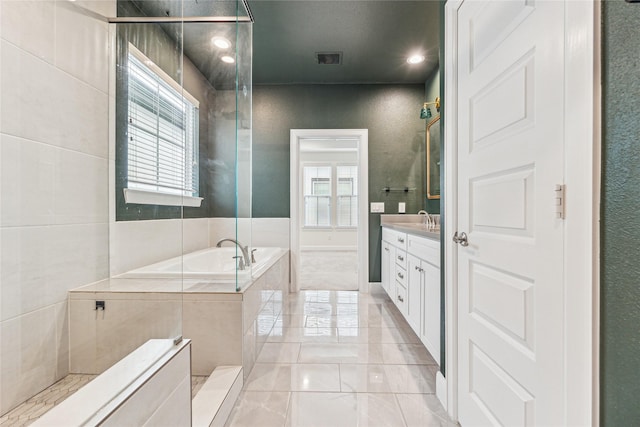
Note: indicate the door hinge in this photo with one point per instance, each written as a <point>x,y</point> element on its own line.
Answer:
<point>560,200</point>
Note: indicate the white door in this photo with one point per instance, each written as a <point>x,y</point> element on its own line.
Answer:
<point>510,132</point>
<point>415,284</point>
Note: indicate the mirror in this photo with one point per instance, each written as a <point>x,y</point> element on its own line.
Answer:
<point>433,159</point>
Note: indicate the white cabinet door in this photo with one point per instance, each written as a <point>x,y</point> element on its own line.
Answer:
<point>430,321</point>
<point>385,266</point>
<point>415,290</point>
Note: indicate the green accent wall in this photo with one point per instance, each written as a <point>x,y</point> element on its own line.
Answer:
<point>391,113</point>
<point>620,216</point>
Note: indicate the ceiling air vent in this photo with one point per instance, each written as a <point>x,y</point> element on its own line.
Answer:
<point>329,58</point>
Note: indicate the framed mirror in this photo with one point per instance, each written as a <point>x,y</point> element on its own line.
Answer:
<point>433,158</point>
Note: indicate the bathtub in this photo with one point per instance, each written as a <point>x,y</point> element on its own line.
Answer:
<point>210,265</point>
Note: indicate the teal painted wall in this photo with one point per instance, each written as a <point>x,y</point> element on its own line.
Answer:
<point>620,216</point>
<point>391,113</point>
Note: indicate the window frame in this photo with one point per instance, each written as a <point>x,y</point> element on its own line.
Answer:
<point>141,195</point>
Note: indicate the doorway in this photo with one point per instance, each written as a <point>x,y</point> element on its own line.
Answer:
<point>329,223</point>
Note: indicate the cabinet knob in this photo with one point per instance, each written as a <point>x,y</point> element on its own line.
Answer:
<point>400,298</point>
<point>401,258</point>
<point>400,275</point>
<point>418,268</point>
<point>400,239</point>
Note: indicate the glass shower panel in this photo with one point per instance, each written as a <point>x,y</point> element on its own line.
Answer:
<point>154,125</point>
<point>243,96</point>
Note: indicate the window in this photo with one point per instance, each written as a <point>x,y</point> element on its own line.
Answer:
<point>320,197</point>
<point>162,154</point>
<point>317,196</point>
<point>347,206</point>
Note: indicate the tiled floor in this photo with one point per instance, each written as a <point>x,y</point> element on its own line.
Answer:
<point>333,269</point>
<point>38,405</point>
<point>42,402</point>
<point>341,358</point>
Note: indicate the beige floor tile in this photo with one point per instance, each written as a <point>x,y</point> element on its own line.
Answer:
<point>340,353</point>
<point>331,321</point>
<point>377,335</point>
<point>303,335</point>
<point>409,354</point>
<point>423,410</point>
<point>263,409</point>
<point>356,378</point>
<point>291,321</point>
<point>294,377</point>
<point>279,353</point>
<point>343,410</point>
<point>411,378</point>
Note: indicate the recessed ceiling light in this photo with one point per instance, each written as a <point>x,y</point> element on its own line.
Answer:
<point>415,59</point>
<point>221,42</point>
<point>228,59</point>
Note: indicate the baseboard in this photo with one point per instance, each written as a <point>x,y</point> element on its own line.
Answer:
<point>441,389</point>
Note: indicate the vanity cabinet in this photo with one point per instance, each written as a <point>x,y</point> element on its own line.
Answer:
<point>411,278</point>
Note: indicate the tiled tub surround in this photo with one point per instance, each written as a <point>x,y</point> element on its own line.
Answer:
<point>226,328</point>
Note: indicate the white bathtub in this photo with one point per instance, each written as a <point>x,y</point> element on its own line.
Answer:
<point>213,264</point>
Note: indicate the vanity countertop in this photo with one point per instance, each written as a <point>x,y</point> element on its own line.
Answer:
<point>412,224</point>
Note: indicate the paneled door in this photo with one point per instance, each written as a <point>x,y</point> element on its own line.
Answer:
<point>510,136</point>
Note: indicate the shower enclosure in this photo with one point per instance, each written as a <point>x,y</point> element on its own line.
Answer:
<point>137,150</point>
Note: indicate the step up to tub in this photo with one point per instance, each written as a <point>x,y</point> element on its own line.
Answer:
<point>214,402</point>
<point>150,386</point>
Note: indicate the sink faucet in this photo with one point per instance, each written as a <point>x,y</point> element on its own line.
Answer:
<point>427,220</point>
<point>244,249</point>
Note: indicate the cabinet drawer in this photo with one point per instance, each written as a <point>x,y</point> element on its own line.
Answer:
<point>401,298</point>
<point>396,238</point>
<point>401,259</point>
<point>425,249</point>
<point>401,275</point>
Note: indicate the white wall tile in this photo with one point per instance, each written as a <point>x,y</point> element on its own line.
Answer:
<point>270,232</point>
<point>79,256</point>
<point>222,228</point>
<point>215,329</point>
<point>135,244</point>
<point>125,325</point>
<point>30,25</point>
<point>82,45</point>
<point>82,336</point>
<point>44,185</point>
<point>44,104</point>
<point>27,177</point>
<point>62,339</point>
<point>27,351</point>
<point>106,8</point>
<point>195,234</point>
<point>40,264</point>
<point>81,188</point>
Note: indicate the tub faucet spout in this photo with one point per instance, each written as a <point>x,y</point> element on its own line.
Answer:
<point>244,249</point>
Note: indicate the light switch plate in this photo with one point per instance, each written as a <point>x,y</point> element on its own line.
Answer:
<point>377,207</point>
<point>402,207</point>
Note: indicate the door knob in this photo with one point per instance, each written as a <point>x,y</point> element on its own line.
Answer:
<point>461,239</point>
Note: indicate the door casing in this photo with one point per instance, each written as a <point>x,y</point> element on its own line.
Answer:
<point>362,136</point>
<point>582,111</point>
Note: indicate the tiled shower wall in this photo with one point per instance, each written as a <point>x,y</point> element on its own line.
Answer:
<point>54,180</point>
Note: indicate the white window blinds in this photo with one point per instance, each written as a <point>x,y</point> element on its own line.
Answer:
<point>162,131</point>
